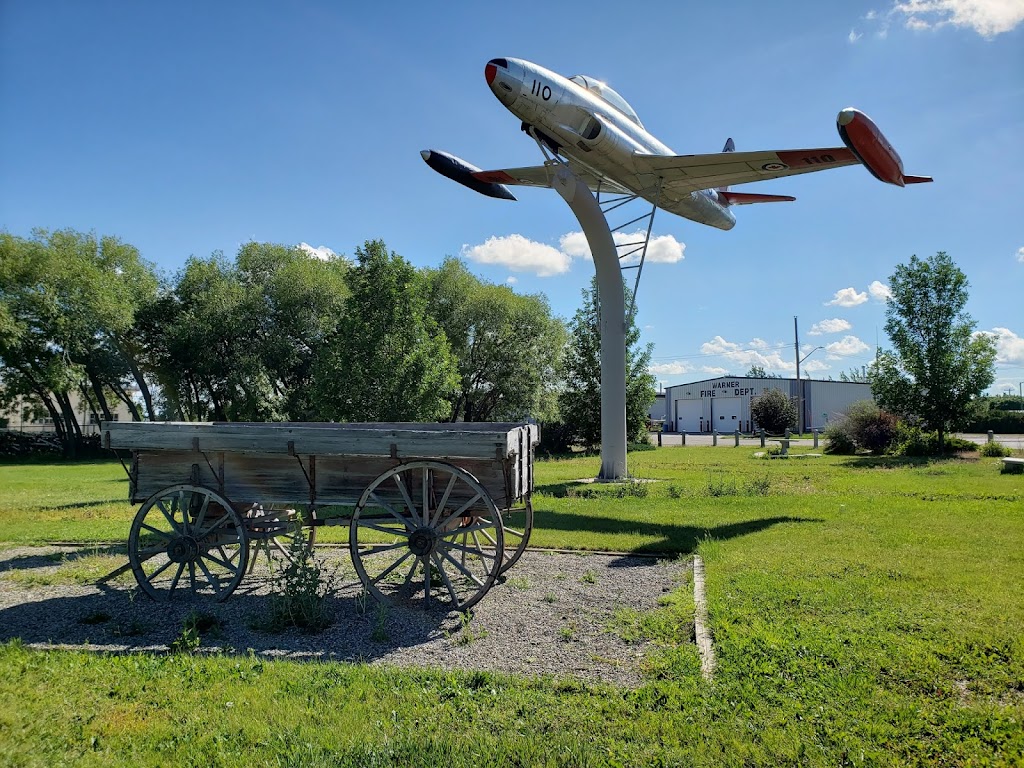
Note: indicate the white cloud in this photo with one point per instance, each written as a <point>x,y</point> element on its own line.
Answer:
<point>519,254</point>
<point>511,279</point>
<point>575,244</point>
<point>847,297</point>
<point>323,252</point>
<point>832,325</point>
<point>813,366</point>
<point>854,36</point>
<point>1020,255</point>
<point>675,368</point>
<point>986,17</point>
<point>752,353</point>
<point>848,345</point>
<point>1009,347</point>
<point>714,370</point>
<point>663,249</point>
<point>879,291</point>
<point>523,255</point>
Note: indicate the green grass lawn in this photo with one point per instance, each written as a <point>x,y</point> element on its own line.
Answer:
<point>865,612</point>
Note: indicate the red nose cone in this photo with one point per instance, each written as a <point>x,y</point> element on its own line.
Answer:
<point>489,72</point>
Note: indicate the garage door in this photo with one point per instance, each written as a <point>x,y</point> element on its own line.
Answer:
<point>727,414</point>
<point>688,415</point>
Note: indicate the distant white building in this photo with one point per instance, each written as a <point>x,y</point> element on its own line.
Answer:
<point>23,417</point>
<point>657,410</point>
<point>723,404</point>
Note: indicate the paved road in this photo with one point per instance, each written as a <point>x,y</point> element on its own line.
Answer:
<point>672,438</point>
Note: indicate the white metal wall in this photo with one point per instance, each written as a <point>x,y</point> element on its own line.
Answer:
<point>724,403</point>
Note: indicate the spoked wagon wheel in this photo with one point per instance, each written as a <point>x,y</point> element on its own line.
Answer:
<point>427,533</point>
<point>187,538</point>
<point>277,530</point>
<point>518,524</point>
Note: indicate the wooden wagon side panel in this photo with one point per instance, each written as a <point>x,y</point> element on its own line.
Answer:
<point>412,441</point>
<point>272,478</point>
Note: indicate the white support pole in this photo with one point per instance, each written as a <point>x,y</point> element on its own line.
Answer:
<point>612,314</point>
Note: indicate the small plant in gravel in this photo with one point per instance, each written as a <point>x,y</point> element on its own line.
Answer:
<point>519,582</point>
<point>195,625</point>
<point>550,597</point>
<point>467,635</point>
<point>589,577</point>
<point>133,628</point>
<point>380,625</point>
<point>567,633</point>
<point>301,592</point>
<point>96,617</point>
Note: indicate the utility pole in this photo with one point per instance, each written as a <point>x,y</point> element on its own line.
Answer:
<point>799,381</point>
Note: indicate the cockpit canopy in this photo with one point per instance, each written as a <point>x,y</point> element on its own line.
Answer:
<point>608,94</point>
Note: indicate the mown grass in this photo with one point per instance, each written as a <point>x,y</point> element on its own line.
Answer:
<point>865,612</point>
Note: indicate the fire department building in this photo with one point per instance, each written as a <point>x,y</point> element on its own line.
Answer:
<point>723,404</point>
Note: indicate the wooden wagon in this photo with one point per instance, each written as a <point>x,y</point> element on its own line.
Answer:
<point>435,511</point>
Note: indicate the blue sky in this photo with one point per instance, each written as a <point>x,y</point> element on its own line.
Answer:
<point>190,127</point>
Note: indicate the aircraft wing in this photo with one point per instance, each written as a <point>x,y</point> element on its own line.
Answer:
<point>541,176</point>
<point>685,173</point>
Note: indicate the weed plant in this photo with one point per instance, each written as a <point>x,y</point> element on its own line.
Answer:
<point>301,592</point>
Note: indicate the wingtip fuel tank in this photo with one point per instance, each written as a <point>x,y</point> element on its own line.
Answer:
<point>460,171</point>
<point>865,140</point>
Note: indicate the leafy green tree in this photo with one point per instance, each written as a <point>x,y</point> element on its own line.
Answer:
<point>202,335</point>
<point>388,360</point>
<point>69,302</point>
<point>580,400</point>
<point>773,411</point>
<point>237,341</point>
<point>938,365</point>
<point>508,346</point>
<point>854,374</point>
<point>758,372</point>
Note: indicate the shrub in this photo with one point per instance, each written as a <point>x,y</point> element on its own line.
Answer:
<point>773,411</point>
<point>912,441</point>
<point>862,426</point>
<point>840,439</point>
<point>872,428</point>
<point>994,450</point>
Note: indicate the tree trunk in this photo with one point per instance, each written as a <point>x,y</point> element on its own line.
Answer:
<point>942,439</point>
<point>72,430</point>
<point>140,380</point>
<point>101,399</point>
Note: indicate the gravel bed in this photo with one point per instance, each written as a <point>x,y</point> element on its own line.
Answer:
<point>553,614</point>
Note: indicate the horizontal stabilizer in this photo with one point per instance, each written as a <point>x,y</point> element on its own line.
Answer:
<point>748,198</point>
<point>916,179</point>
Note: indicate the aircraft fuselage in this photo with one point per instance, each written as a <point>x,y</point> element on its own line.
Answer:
<point>596,133</point>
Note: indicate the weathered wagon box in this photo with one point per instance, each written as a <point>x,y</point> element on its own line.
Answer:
<point>435,511</point>
<point>250,461</point>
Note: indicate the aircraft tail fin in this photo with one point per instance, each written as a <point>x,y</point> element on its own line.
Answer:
<point>730,146</point>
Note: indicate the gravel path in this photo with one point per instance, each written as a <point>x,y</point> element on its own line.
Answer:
<point>553,614</point>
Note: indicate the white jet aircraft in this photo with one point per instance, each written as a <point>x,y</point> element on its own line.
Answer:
<point>592,128</point>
